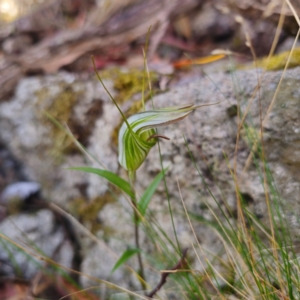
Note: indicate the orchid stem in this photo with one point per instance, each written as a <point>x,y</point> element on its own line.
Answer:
<point>132,176</point>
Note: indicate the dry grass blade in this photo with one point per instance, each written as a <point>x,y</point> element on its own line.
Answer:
<point>52,262</point>
<point>293,11</point>
<point>195,236</point>
<point>87,233</point>
<point>79,292</point>
<point>249,159</point>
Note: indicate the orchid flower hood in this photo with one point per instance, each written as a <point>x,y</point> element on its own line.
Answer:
<point>137,136</point>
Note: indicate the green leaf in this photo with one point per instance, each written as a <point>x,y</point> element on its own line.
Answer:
<point>124,257</point>
<point>110,176</point>
<point>147,195</point>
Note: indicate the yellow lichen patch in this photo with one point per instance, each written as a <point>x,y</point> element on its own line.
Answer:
<point>87,211</point>
<point>60,108</point>
<point>62,105</point>
<point>14,206</point>
<point>279,61</point>
<point>128,83</point>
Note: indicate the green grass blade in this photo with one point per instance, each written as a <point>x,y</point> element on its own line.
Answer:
<point>110,176</point>
<point>124,257</point>
<point>147,195</point>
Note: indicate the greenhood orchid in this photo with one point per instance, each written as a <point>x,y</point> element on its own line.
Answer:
<point>137,135</point>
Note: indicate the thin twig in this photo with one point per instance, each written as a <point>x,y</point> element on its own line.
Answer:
<point>165,274</point>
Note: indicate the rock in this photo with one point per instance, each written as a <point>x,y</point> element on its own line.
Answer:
<point>10,169</point>
<point>256,10</point>
<point>211,22</point>
<point>37,233</point>
<point>210,133</point>
<point>20,191</point>
<point>20,196</point>
<point>16,45</point>
<point>225,22</point>
<point>80,104</point>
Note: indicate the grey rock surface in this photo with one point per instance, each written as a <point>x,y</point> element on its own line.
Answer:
<point>19,190</point>
<point>34,139</point>
<point>211,135</point>
<point>37,233</point>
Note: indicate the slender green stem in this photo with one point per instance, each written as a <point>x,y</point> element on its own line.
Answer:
<point>169,202</point>
<point>132,176</point>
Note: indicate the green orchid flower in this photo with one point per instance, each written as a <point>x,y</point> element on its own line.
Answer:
<point>137,134</point>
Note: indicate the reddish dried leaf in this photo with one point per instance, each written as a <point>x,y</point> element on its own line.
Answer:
<point>198,61</point>
<point>66,288</point>
<point>13,291</point>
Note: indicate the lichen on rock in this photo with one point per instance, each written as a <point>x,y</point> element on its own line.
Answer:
<point>128,83</point>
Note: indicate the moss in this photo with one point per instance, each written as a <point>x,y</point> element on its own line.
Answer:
<point>128,84</point>
<point>15,206</point>
<point>60,108</point>
<point>87,211</point>
<point>82,131</point>
<point>278,62</point>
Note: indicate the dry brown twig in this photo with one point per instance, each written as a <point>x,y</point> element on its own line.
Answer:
<point>65,46</point>
<point>166,273</point>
